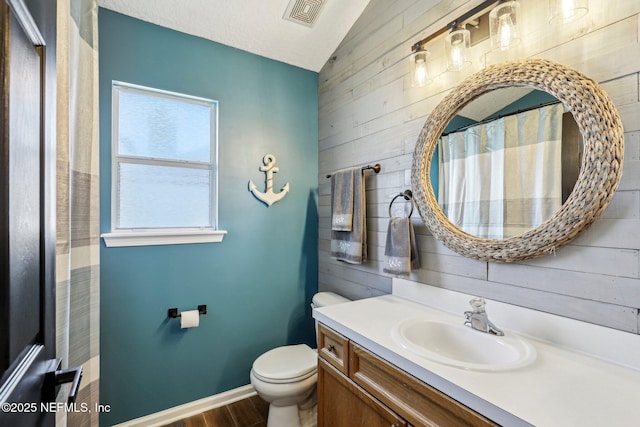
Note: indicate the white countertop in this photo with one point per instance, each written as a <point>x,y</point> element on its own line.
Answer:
<point>569,384</point>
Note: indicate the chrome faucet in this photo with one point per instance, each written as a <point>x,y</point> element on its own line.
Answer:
<point>478,320</point>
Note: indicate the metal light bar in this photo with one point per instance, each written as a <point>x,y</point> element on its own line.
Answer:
<point>482,7</point>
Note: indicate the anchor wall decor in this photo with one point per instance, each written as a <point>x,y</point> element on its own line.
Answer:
<point>269,168</point>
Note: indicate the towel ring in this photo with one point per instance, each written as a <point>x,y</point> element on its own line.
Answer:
<point>408,195</point>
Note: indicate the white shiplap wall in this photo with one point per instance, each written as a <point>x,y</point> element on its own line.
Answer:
<point>369,113</point>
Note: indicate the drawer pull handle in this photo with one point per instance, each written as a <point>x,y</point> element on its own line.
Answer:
<point>331,348</point>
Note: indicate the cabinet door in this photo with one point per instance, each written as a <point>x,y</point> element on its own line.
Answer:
<point>343,404</point>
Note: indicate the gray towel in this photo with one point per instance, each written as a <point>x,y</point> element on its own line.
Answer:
<point>401,250</point>
<point>351,246</point>
<point>342,200</point>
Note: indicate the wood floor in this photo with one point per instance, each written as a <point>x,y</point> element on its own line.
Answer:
<point>250,412</point>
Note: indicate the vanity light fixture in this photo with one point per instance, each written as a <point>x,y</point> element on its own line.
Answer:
<point>566,11</point>
<point>456,44</point>
<point>471,27</point>
<point>419,71</point>
<point>503,21</point>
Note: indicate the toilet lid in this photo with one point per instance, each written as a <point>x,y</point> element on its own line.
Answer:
<point>323,299</point>
<point>290,362</point>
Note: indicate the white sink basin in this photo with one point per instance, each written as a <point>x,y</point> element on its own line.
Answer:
<point>460,346</point>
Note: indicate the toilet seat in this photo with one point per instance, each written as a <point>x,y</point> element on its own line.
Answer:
<point>286,364</point>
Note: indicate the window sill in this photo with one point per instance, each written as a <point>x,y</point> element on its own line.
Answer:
<point>170,237</point>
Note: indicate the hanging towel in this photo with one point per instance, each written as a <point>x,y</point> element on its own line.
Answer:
<point>351,246</point>
<point>401,250</point>
<point>342,200</point>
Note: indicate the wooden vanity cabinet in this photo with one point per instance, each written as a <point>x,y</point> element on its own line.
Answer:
<point>341,403</point>
<point>358,388</point>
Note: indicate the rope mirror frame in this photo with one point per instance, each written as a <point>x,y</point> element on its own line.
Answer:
<point>600,170</point>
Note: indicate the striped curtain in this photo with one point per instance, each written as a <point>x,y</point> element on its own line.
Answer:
<point>502,178</point>
<point>77,249</point>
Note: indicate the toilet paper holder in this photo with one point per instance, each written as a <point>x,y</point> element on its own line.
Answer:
<point>173,312</point>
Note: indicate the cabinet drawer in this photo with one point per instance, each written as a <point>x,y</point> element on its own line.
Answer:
<point>334,348</point>
<point>413,400</point>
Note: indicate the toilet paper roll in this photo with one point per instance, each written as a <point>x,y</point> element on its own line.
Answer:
<point>189,319</point>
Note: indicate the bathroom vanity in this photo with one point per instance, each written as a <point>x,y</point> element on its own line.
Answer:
<point>356,387</point>
<point>570,373</point>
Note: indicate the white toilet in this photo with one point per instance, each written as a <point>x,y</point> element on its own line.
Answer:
<point>286,376</point>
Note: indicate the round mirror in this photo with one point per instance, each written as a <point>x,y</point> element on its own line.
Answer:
<point>600,169</point>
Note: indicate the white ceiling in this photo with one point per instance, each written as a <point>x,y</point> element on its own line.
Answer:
<point>255,26</point>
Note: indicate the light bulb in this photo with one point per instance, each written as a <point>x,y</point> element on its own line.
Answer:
<point>567,8</point>
<point>506,31</point>
<point>421,75</point>
<point>457,58</point>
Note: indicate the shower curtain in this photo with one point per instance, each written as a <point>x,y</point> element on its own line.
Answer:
<point>502,178</point>
<point>77,210</point>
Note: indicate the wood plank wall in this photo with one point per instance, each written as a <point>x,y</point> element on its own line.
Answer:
<point>369,113</point>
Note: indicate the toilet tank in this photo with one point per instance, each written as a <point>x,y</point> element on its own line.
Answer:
<point>323,299</point>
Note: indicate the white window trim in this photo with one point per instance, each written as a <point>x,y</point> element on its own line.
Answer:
<point>148,237</point>
<point>165,237</point>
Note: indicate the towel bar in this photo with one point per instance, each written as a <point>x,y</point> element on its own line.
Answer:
<point>376,168</point>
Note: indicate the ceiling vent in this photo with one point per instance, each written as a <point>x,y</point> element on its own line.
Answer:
<point>304,12</point>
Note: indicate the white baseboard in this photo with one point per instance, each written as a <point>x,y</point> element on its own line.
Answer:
<point>192,408</point>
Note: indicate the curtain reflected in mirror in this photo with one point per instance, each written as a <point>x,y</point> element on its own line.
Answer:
<point>506,162</point>
<point>501,178</point>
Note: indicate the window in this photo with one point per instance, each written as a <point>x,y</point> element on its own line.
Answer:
<point>164,168</point>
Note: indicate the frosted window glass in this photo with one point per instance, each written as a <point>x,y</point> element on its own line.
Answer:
<point>163,197</point>
<point>164,155</point>
<point>164,128</point>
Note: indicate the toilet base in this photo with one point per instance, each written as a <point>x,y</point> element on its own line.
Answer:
<point>308,411</point>
<point>283,416</point>
<point>303,415</point>
<point>284,399</point>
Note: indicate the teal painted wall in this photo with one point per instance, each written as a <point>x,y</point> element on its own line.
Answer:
<point>258,283</point>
